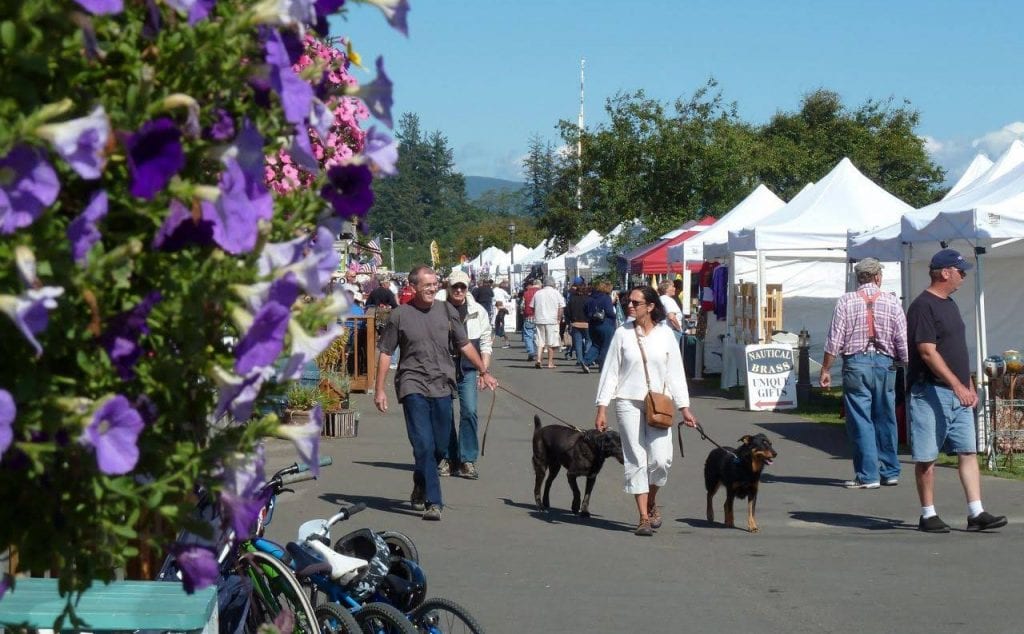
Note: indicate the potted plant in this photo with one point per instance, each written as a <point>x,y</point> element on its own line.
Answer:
<point>300,402</point>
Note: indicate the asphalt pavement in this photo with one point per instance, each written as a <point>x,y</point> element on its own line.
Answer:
<point>826,559</point>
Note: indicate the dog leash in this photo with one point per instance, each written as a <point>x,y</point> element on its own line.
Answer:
<point>704,436</point>
<point>494,397</point>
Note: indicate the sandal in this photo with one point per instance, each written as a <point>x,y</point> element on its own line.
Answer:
<point>655,517</point>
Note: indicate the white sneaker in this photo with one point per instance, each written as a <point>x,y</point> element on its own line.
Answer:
<point>857,484</point>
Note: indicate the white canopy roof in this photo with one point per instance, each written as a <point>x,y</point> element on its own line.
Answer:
<point>590,241</point>
<point>1007,161</point>
<point>979,165</point>
<point>760,203</point>
<point>821,217</point>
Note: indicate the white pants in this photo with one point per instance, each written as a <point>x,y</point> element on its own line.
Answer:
<point>646,450</point>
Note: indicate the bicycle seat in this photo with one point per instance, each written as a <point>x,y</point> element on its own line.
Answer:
<point>343,568</point>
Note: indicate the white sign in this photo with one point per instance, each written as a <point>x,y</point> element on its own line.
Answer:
<point>771,377</point>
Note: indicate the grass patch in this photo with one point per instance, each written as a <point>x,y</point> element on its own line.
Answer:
<point>1009,467</point>
<point>823,407</point>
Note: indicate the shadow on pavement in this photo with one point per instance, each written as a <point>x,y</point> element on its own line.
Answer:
<point>401,466</point>
<point>377,503</point>
<point>810,481</point>
<point>563,516</point>
<point>830,439</point>
<point>849,520</point>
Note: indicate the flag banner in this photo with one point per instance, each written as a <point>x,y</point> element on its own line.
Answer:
<point>435,254</point>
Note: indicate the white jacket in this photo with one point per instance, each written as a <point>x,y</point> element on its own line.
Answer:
<point>478,325</point>
<point>622,376</point>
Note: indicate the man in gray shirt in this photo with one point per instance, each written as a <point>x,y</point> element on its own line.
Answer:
<point>429,333</point>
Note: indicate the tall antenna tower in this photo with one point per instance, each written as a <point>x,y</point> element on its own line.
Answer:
<point>579,144</point>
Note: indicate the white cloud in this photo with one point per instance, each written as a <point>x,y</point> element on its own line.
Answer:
<point>995,143</point>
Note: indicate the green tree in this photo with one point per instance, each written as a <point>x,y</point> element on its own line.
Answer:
<point>800,147</point>
<point>540,171</point>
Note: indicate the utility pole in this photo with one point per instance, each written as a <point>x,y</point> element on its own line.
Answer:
<point>579,144</point>
<point>392,240</point>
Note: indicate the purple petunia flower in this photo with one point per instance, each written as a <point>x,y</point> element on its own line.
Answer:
<point>243,512</point>
<point>377,95</point>
<point>181,229</point>
<point>396,12</point>
<point>301,150</point>
<point>243,202</point>
<point>296,95</point>
<point>81,142</point>
<point>114,434</point>
<point>29,311</point>
<point>154,157</point>
<point>198,566</point>
<point>264,340</point>
<point>325,8</point>
<point>237,394</point>
<point>7,413</point>
<point>305,348</point>
<point>82,232</point>
<point>381,151</point>
<point>28,184</point>
<point>121,337</point>
<point>244,475</point>
<point>348,190</point>
<point>102,7</point>
<point>306,438</point>
<point>223,127</point>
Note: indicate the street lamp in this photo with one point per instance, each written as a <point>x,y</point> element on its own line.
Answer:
<point>391,239</point>
<point>480,250</point>
<point>512,255</point>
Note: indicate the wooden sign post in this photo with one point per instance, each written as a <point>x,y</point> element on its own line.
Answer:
<point>771,377</point>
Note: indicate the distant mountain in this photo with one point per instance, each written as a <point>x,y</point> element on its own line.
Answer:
<point>476,185</point>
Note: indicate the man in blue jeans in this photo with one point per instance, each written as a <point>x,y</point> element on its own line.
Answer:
<point>463,448</point>
<point>429,333</point>
<point>869,331</point>
<point>529,327</point>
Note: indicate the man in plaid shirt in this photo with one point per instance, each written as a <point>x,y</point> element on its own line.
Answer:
<point>869,331</point>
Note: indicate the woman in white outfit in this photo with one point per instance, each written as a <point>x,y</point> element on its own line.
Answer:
<point>646,450</point>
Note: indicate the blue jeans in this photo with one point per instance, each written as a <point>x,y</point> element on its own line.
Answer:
<point>529,334</point>
<point>601,334</point>
<point>869,393</point>
<point>581,345</point>
<point>463,446</point>
<point>428,421</point>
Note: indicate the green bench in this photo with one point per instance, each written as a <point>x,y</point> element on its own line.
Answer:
<point>117,607</point>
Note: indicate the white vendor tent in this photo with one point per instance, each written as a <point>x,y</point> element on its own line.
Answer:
<point>595,261</point>
<point>556,266</point>
<point>979,165</point>
<point>803,247</point>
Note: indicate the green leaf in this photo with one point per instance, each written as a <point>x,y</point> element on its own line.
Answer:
<point>8,35</point>
<point>123,531</point>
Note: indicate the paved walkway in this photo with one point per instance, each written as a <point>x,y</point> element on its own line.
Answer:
<point>826,559</point>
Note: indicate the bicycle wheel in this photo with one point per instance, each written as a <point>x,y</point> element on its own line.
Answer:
<point>381,618</point>
<point>334,619</point>
<point>276,595</point>
<point>438,616</point>
<point>400,546</point>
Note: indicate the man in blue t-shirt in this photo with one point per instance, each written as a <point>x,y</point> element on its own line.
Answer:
<point>942,395</point>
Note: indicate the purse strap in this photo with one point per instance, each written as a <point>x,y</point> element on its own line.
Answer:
<point>643,355</point>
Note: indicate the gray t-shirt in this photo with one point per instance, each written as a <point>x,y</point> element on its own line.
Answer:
<point>427,338</point>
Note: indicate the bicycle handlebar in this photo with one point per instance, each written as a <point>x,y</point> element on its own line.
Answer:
<point>344,514</point>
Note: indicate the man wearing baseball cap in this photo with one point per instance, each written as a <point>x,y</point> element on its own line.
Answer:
<point>869,332</point>
<point>463,447</point>
<point>942,396</point>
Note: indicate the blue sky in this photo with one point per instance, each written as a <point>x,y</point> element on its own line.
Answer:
<point>490,73</point>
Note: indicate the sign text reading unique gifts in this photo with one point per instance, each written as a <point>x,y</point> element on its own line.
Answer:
<point>771,377</point>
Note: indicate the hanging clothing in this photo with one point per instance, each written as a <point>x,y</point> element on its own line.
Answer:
<point>720,288</point>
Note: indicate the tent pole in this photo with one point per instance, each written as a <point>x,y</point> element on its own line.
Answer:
<point>730,327</point>
<point>908,250</point>
<point>761,297</point>
<point>982,352</point>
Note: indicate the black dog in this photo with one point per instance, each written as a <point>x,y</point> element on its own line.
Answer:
<point>740,471</point>
<point>582,453</point>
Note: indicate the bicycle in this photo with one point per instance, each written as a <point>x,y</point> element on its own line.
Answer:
<point>356,570</point>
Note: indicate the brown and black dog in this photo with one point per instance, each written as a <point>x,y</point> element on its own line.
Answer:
<point>582,453</point>
<point>740,471</point>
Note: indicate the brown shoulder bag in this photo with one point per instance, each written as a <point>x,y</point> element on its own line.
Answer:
<point>658,406</point>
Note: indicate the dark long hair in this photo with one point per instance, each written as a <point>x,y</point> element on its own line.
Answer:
<point>652,299</point>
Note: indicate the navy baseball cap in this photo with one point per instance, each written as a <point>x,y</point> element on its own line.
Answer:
<point>950,257</point>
